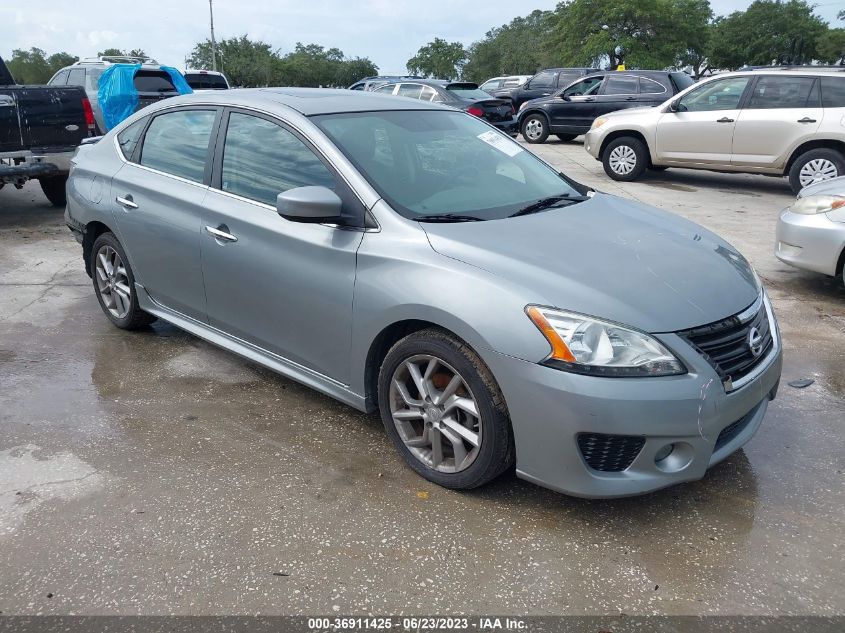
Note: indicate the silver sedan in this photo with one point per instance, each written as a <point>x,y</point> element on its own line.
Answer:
<point>811,232</point>
<point>408,257</point>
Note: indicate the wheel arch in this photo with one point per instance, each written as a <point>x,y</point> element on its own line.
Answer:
<point>832,144</point>
<point>93,230</point>
<point>612,136</point>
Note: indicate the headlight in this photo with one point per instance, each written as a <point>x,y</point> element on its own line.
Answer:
<point>817,204</point>
<point>585,345</point>
<point>599,122</point>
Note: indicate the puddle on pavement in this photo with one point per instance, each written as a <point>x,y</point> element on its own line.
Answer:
<point>30,477</point>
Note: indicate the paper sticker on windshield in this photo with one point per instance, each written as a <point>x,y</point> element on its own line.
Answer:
<point>501,143</point>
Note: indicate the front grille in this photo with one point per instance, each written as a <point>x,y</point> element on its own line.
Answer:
<point>726,344</point>
<point>609,453</point>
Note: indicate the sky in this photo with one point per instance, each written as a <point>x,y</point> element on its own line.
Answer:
<point>389,32</point>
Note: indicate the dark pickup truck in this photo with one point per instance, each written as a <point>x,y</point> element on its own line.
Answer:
<point>40,127</point>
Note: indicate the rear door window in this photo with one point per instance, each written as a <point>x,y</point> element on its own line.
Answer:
<point>621,85</point>
<point>76,77</point>
<point>545,79</point>
<point>128,138</point>
<point>177,143</point>
<point>262,159</point>
<point>782,92</point>
<point>833,92</point>
<point>410,90</point>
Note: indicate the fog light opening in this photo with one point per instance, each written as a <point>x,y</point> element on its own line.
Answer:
<point>674,457</point>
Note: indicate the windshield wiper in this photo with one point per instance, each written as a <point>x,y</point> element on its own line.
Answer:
<point>448,217</point>
<point>549,203</point>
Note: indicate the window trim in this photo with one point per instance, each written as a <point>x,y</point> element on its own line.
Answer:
<point>136,154</point>
<point>603,90</point>
<point>641,78</point>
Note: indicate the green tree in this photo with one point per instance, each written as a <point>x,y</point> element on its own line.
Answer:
<point>60,60</point>
<point>514,48</point>
<point>768,32</point>
<point>116,52</point>
<point>29,67</point>
<point>439,59</point>
<point>245,62</point>
<point>694,34</point>
<point>110,52</point>
<point>831,47</point>
<point>638,33</point>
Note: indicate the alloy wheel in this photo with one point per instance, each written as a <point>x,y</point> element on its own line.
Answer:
<point>534,129</point>
<point>435,413</point>
<point>623,160</point>
<point>817,170</point>
<point>113,282</point>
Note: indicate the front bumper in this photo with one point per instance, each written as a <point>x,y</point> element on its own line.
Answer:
<point>592,142</point>
<point>810,242</point>
<point>550,409</point>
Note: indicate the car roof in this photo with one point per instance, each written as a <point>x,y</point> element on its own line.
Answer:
<point>306,101</point>
<point>197,71</point>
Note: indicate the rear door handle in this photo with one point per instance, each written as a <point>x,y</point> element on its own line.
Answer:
<point>221,235</point>
<point>806,119</point>
<point>724,119</point>
<point>126,203</point>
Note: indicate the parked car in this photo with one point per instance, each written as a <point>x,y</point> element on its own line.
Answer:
<point>543,84</point>
<point>811,232</point>
<point>401,255</point>
<point>510,81</point>
<point>458,94</point>
<point>40,128</point>
<point>200,80</point>
<point>778,122</point>
<point>571,111</point>
<point>152,82</point>
<point>371,83</point>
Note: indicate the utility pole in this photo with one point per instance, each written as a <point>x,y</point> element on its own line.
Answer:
<point>213,43</point>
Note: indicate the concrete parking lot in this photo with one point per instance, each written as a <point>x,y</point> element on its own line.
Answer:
<point>152,473</point>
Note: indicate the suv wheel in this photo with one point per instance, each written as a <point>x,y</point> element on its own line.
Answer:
<point>535,128</point>
<point>443,411</point>
<point>114,284</point>
<point>54,188</point>
<point>815,166</point>
<point>625,158</point>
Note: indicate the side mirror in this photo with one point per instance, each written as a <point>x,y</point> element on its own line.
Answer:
<point>563,96</point>
<point>673,105</point>
<point>526,85</point>
<point>309,204</point>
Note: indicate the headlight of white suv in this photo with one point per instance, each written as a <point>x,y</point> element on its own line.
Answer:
<point>599,122</point>
<point>812,205</point>
<point>586,345</point>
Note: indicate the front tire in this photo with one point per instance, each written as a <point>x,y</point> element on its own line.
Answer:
<point>54,188</point>
<point>535,128</point>
<point>444,411</point>
<point>114,284</point>
<point>814,166</point>
<point>625,158</point>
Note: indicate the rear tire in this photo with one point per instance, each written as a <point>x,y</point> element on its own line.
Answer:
<point>114,284</point>
<point>815,165</point>
<point>535,128</point>
<point>566,137</point>
<point>482,448</point>
<point>625,158</point>
<point>54,188</point>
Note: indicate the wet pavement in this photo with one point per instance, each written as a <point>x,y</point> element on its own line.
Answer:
<point>152,473</point>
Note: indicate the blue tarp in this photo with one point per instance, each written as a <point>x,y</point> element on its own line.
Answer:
<point>117,95</point>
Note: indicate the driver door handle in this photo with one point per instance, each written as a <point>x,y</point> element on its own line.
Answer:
<point>221,235</point>
<point>127,202</point>
<point>724,119</point>
<point>806,119</point>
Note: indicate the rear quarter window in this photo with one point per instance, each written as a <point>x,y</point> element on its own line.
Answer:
<point>833,92</point>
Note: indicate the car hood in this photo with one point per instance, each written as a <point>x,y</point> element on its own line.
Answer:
<point>832,187</point>
<point>653,110</point>
<point>611,258</point>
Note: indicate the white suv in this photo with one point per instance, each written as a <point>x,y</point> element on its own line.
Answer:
<point>778,122</point>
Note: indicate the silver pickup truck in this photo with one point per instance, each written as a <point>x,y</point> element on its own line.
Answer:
<point>40,128</point>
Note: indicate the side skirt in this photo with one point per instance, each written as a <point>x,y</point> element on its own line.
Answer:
<point>251,352</point>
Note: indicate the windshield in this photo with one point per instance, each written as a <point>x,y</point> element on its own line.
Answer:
<point>431,162</point>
